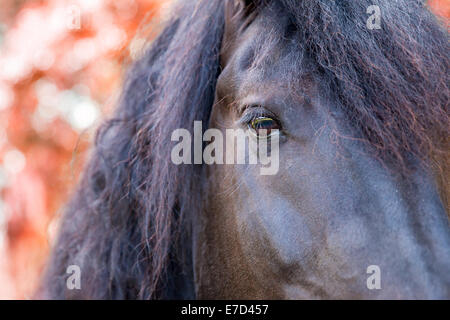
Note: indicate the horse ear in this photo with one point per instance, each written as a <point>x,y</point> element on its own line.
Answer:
<point>245,7</point>
<point>250,6</point>
<point>238,15</point>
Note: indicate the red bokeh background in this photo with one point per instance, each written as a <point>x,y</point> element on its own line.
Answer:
<point>61,65</point>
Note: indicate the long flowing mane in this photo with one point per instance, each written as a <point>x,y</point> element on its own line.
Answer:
<point>128,225</point>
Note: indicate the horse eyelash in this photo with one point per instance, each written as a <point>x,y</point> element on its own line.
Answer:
<point>254,111</point>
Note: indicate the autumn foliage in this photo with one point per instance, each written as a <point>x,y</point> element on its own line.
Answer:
<point>61,63</point>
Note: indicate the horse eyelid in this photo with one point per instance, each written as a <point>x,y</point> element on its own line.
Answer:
<point>250,112</point>
<point>254,111</point>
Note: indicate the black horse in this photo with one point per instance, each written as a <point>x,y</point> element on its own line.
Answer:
<point>362,115</point>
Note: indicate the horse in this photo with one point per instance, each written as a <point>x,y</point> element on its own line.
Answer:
<point>361,191</point>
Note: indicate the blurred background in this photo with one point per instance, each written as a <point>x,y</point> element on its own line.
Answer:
<point>61,68</point>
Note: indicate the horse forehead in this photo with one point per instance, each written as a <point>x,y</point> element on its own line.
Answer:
<point>266,55</point>
<point>270,68</point>
<point>257,38</point>
<point>272,49</point>
<point>264,59</point>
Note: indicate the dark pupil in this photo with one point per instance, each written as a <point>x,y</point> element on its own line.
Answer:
<point>261,123</point>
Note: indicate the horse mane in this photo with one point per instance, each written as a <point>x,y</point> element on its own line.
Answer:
<point>128,225</point>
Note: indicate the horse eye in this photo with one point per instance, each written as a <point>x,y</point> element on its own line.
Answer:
<point>264,126</point>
